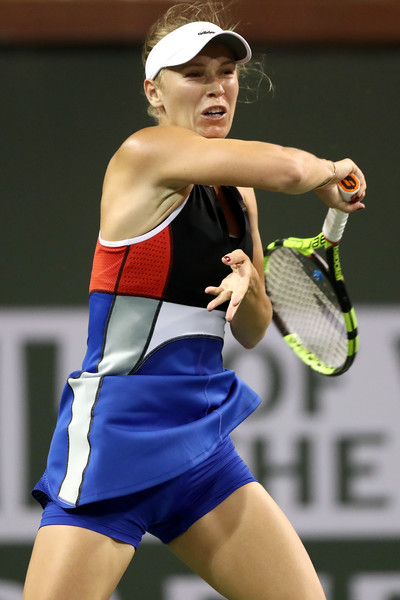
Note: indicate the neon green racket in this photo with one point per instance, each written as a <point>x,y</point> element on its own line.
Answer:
<point>312,308</point>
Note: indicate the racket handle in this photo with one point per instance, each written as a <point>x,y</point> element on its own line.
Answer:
<point>336,220</point>
<point>348,187</point>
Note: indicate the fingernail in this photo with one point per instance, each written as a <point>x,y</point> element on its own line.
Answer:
<point>227,258</point>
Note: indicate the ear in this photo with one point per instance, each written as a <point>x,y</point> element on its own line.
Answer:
<point>153,93</point>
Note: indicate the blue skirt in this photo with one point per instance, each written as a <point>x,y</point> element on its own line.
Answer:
<point>116,435</point>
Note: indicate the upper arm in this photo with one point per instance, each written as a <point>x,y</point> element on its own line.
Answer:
<point>249,198</point>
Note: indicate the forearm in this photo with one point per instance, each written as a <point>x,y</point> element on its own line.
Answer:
<point>253,315</point>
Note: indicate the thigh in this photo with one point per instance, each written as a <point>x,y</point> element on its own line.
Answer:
<point>71,563</point>
<point>247,550</point>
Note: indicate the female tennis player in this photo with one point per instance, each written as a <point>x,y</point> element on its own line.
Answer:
<point>142,441</point>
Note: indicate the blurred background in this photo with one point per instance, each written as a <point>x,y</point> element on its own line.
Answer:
<point>327,449</point>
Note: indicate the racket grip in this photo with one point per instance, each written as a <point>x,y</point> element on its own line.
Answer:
<point>336,220</point>
<point>348,187</point>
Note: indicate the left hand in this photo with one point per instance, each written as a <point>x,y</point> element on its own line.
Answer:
<point>234,286</point>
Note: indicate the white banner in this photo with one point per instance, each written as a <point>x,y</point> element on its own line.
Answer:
<point>327,449</point>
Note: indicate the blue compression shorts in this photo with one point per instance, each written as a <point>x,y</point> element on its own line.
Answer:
<point>165,510</point>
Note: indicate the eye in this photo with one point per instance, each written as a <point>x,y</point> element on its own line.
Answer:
<point>193,74</point>
<point>229,70</point>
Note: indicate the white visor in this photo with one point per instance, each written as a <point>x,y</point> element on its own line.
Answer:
<point>184,43</point>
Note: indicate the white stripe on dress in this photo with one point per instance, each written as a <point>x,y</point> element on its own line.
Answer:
<point>178,320</point>
<point>85,394</point>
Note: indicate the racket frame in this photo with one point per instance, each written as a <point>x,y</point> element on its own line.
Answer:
<point>333,271</point>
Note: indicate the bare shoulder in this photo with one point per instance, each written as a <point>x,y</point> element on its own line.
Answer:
<point>139,164</point>
<point>153,141</point>
<point>155,154</point>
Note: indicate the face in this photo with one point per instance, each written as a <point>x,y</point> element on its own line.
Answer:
<point>201,94</point>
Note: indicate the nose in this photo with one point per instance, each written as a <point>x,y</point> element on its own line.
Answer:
<point>214,88</point>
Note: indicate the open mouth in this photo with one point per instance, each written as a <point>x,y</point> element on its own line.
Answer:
<point>214,112</point>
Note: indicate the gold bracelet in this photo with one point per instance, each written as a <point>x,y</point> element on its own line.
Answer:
<point>326,183</point>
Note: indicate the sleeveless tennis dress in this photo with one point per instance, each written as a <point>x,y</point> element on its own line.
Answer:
<point>152,399</point>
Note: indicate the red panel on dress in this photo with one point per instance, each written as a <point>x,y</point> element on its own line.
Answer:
<point>138,269</point>
<point>106,267</point>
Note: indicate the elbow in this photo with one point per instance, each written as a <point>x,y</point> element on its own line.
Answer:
<point>250,331</point>
<point>291,172</point>
<point>250,339</point>
<point>249,344</point>
<point>295,175</point>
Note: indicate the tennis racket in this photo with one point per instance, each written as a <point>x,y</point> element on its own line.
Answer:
<point>312,308</point>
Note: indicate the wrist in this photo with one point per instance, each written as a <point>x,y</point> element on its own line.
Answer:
<point>330,179</point>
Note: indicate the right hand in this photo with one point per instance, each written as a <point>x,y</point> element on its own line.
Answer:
<point>330,194</point>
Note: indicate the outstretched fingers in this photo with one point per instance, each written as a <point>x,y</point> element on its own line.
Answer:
<point>234,286</point>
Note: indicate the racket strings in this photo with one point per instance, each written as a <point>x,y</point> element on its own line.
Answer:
<point>304,300</point>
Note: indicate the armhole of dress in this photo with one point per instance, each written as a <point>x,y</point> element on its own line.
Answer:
<point>149,234</point>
